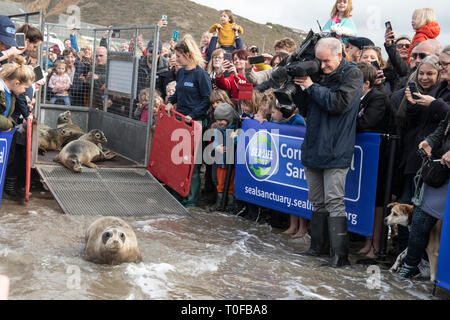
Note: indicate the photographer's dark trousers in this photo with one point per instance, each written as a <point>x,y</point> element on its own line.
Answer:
<point>421,225</point>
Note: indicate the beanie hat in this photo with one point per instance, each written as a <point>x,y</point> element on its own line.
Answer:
<point>150,47</point>
<point>226,112</point>
<point>360,42</point>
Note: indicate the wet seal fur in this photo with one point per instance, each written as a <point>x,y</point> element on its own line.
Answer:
<point>53,139</point>
<point>84,150</point>
<point>110,240</point>
<point>65,121</point>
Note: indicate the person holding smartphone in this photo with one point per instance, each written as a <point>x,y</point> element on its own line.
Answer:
<point>372,55</point>
<point>236,70</point>
<point>8,45</point>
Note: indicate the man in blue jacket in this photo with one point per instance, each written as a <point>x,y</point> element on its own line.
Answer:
<point>330,108</point>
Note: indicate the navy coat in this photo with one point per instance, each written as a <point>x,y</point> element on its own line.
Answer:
<point>330,108</point>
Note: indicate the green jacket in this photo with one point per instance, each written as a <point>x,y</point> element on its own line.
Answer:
<point>6,123</point>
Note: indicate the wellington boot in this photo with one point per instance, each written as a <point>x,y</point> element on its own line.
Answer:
<point>320,243</point>
<point>337,227</point>
<point>230,202</point>
<point>218,200</point>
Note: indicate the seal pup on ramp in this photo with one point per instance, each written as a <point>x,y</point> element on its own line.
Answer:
<point>110,240</point>
<point>84,150</point>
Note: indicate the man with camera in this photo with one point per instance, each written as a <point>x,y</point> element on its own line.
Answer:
<point>330,107</point>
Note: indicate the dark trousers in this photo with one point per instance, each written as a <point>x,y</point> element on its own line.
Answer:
<point>421,226</point>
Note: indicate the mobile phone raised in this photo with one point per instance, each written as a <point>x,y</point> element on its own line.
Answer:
<point>38,74</point>
<point>413,88</point>
<point>388,25</point>
<point>164,18</point>
<point>376,65</point>
<point>20,40</point>
<point>175,35</point>
<point>256,60</point>
<point>227,56</point>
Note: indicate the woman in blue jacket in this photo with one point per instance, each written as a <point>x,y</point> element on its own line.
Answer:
<point>192,97</point>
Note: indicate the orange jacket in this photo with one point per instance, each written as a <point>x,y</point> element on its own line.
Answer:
<point>429,31</point>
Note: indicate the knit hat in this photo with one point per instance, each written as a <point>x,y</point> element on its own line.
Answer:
<point>7,32</point>
<point>150,47</point>
<point>360,42</point>
<point>55,49</point>
<point>226,112</point>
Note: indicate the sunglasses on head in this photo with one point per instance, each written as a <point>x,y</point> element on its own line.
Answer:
<point>406,45</point>
<point>420,55</point>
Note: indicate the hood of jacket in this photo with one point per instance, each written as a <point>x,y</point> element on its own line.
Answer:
<point>430,30</point>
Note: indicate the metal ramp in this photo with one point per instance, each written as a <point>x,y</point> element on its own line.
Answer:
<point>121,192</point>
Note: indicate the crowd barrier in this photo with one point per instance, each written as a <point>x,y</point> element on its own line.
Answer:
<point>5,144</point>
<point>443,272</point>
<point>271,174</point>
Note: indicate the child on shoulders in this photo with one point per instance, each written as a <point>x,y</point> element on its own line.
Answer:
<point>226,30</point>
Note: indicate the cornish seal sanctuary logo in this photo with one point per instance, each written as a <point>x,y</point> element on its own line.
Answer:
<point>261,156</point>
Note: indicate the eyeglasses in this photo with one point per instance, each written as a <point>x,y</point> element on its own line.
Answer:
<point>406,45</point>
<point>420,55</point>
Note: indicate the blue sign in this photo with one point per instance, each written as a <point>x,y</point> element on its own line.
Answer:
<point>5,144</point>
<point>269,173</point>
<point>443,271</point>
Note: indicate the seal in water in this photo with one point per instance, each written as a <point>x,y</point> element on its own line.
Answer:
<point>53,139</point>
<point>84,150</point>
<point>110,240</point>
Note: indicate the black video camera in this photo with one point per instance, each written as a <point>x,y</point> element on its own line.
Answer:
<point>302,63</point>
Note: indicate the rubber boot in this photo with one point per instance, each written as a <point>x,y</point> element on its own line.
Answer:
<point>230,202</point>
<point>10,188</point>
<point>320,242</point>
<point>337,227</point>
<point>218,201</point>
<point>191,200</point>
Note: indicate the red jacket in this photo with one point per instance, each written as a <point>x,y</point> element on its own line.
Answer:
<point>427,32</point>
<point>230,83</point>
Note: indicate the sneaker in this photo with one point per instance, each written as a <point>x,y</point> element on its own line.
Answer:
<point>408,271</point>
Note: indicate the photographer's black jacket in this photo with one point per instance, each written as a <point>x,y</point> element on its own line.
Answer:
<point>330,108</point>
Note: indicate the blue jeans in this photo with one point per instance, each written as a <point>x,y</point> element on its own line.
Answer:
<point>66,99</point>
<point>421,226</point>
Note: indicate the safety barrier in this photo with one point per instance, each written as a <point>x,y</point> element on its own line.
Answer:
<point>5,144</point>
<point>443,272</point>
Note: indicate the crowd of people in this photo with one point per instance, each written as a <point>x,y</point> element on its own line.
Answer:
<point>357,91</point>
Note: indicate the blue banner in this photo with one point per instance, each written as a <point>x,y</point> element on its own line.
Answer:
<point>443,271</point>
<point>5,144</point>
<point>269,173</point>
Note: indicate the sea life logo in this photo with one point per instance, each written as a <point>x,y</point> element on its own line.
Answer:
<point>261,156</point>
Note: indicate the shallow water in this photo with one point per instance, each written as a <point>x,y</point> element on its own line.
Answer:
<point>212,256</point>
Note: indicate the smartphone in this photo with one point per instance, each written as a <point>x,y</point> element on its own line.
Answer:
<point>115,34</point>
<point>164,18</point>
<point>413,87</point>
<point>175,35</point>
<point>38,74</point>
<point>256,60</point>
<point>388,25</point>
<point>376,65</point>
<point>20,40</point>
<point>227,56</point>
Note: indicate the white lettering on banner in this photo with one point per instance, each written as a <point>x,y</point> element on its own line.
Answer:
<point>261,153</point>
<point>295,172</point>
<point>2,155</point>
<point>291,154</point>
<point>353,218</point>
